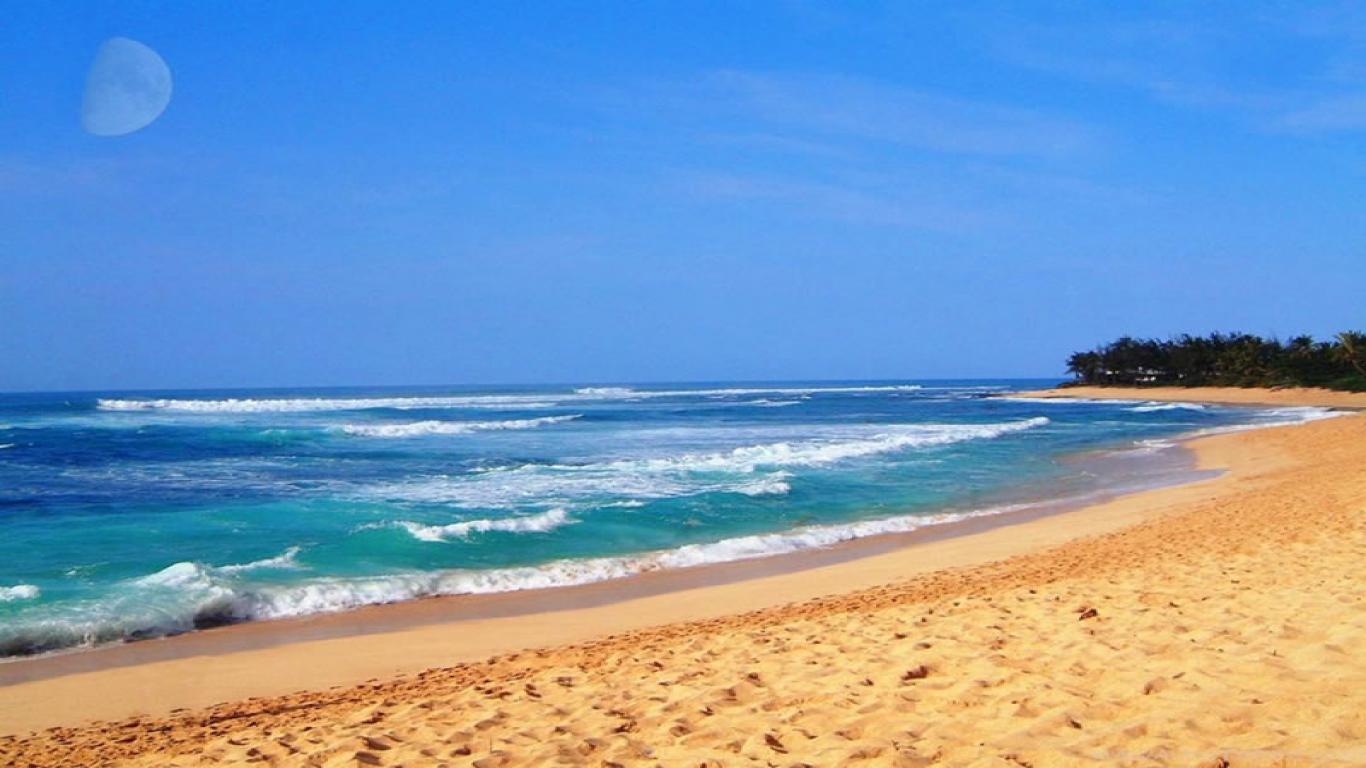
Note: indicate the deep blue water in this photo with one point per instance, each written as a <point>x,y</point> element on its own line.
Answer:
<point>128,515</point>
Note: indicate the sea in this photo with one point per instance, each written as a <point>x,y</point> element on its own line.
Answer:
<point>132,515</point>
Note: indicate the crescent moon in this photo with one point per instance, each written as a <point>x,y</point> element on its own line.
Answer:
<point>128,87</point>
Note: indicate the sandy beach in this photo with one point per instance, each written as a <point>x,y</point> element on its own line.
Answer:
<point>1212,623</point>
<point>1288,396</point>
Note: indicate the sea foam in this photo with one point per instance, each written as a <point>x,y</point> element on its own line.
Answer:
<point>505,401</point>
<point>433,427</point>
<point>188,595</point>
<point>753,470</point>
<point>539,523</point>
<point>305,404</point>
<point>1156,407</point>
<point>19,592</point>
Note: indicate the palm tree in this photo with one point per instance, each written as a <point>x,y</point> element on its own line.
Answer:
<point>1352,349</point>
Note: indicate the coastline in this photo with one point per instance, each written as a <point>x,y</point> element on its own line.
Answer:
<point>346,648</point>
<point>1251,461</point>
<point>269,658</point>
<point>1168,468</point>
<point>1285,396</point>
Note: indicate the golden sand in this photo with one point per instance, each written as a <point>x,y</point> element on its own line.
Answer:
<point>1329,398</point>
<point>1217,621</point>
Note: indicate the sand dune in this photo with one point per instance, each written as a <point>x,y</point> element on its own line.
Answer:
<point>1226,628</point>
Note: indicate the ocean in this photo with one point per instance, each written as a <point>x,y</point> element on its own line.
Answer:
<point>137,515</point>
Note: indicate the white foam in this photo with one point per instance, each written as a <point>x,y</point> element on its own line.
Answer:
<point>214,600</point>
<point>19,592</point>
<point>284,561</point>
<point>185,595</point>
<point>1275,417</point>
<point>539,523</point>
<point>740,391</point>
<point>1156,407</point>
<point>492,400</point>
<point>815,452</point>
<point>289,405</point>
<point>732,471</point>
<point>769,485</point>
<point>432,427</point>
<point>337,594</point>
<point>1147,447</point>
<point>1067,400</point>
<point>6,445</point>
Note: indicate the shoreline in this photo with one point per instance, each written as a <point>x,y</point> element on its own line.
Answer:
<point>1171,467</point>
<point>1213,619</point>
<point>1128,470</point>
<point>216,658</point>
<point>992,510</point>
<point>1255,396</point>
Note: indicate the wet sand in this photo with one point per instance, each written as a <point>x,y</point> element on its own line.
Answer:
<point>1217,618</point>
<point>1288,396</point>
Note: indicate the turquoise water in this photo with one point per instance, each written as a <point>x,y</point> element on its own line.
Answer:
<point>136,515</point>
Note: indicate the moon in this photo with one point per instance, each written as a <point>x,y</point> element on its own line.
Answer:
<point>128,87</point>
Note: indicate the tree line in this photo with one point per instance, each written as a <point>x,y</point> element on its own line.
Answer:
<point>1226,359</point>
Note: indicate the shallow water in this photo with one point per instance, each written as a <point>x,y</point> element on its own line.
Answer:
<point>135,515</point>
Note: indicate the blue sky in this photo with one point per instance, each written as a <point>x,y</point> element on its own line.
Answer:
<point>501,192</point>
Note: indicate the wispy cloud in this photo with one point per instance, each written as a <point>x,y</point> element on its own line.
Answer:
<point>841,108</point>
<point>1337,113</point>
<point>1175,61</point>
<point>864,201</point>
<point>1282,69</point>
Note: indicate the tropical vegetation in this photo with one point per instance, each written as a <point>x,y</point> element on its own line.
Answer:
<point>1226,359</point>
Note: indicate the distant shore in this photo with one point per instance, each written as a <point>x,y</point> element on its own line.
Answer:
<point>1138,625</point>
<point>1284,396</point>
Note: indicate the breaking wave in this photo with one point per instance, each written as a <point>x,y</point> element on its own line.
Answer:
<point>755,470</point>
<point>1068,400</point>
<point>186,596</point>
<point>285,561</point>
<point>529,400</point>
<point>1275,417</point>
<point>540,523</point>
<point>1154,407</point>
<point>289,405</point>
<point>433,427</point>
<point>19,592</point>
<point>815,452</point>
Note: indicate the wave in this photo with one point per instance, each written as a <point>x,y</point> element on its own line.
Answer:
<point>7,445</point>
<point>493,400</point>
<point>19,592</point>
<point>540,523</point>
<point>752,470</point>
<point>770,485</point>
<point>816,452</point>
<point>186,596</point>
<point>751,391</point>
<point>285,561</point>
<point>1067,400</point>
<point>1274,417</point>
<point>291,405</point>
<point>432,427</point>
<point>1155,407</point>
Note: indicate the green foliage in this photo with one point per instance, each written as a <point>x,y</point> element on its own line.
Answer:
<point>1226,359</point>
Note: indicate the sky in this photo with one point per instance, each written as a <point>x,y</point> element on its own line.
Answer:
<point>487,192</point>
